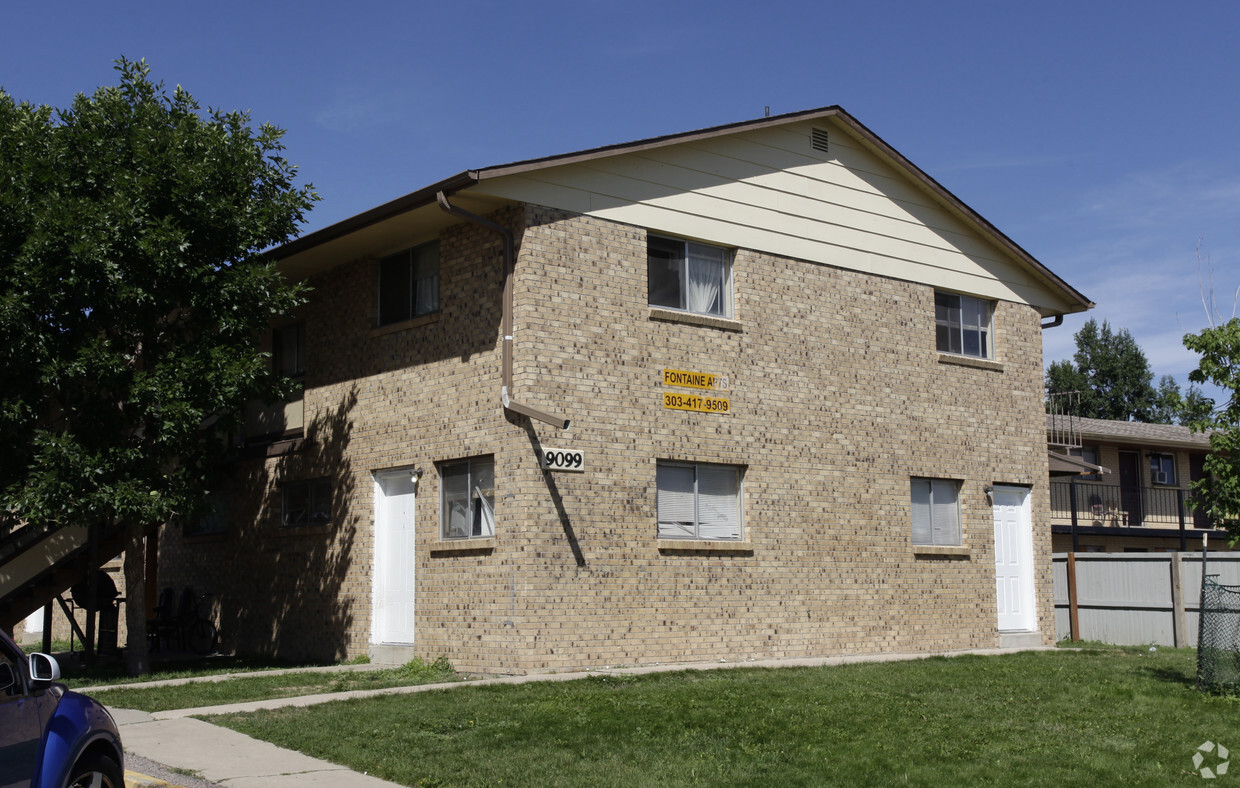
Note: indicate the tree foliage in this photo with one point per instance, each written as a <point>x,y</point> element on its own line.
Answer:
<point>132,289</point>
<point>1115,382</point>
<point>1218,492</point>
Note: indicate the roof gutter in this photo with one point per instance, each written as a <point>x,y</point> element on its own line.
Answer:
<point>506,327</point>
<point>1057,321</point>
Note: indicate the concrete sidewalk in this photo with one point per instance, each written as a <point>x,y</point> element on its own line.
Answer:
<point>235,760</point>
<point>224,756</point>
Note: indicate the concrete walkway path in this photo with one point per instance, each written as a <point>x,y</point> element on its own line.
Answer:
<point>235,760</point>
<point>229,758</point>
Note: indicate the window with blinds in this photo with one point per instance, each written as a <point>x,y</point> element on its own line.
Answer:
<point>699,501</point>
<point>936,512</point>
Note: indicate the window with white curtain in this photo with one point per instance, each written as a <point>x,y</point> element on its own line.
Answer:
<point>936,512</point>
<point>699,501</point>
<point>689,276</point>
<point>467,498</point>
<point>409,284</point>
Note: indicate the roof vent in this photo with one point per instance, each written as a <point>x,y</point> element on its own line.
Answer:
<point>818,139</point>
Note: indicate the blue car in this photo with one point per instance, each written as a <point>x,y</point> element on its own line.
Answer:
<point>51,737</point>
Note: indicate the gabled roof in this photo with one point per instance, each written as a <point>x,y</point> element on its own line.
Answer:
<point>463,181</point>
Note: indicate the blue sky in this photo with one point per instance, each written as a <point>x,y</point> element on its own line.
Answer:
<point>1101,136</point>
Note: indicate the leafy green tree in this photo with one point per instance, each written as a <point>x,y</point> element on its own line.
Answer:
<point>132,289</point>
<point>1172,407</point>
<point>1168,402</point>
<point>1218,492</point>
<point>1111,373</point>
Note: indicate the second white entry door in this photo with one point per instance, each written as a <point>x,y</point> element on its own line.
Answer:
<point>395,557</point>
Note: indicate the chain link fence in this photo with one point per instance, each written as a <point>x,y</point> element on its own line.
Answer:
<point>1218,637</point>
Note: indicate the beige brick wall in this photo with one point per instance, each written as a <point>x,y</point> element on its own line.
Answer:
<point>837,398</point>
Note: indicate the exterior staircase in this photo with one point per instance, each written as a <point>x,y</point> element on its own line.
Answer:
<point>39,563</point>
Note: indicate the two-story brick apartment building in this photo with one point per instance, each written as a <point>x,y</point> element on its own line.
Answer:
<point>761,390</point>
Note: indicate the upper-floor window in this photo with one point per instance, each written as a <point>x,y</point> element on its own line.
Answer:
<point>467,498</point>
<point>409,284</point>
<point>936,512</point>
<point>698,501</point>
<point>1162,469</point>
<point>267,421</point>
<point>963,325</point>
<point>288,350</point>
<point>689,276</point>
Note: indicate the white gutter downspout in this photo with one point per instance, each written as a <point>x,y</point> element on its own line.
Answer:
<point>506,327</point>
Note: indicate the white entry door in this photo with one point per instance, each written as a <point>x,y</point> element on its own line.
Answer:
<point>395,558</point>
<point>1014,559</point>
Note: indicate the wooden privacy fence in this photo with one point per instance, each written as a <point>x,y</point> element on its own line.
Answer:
<point>1134,598</point>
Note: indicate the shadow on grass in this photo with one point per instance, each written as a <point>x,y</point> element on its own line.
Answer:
<point>1171,676</point>
<point>113,670</point>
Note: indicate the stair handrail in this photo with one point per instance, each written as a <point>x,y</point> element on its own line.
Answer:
<point>24,536</point>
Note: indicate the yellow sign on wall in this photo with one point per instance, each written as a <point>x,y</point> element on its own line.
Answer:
<point>695,403</point>
<point>694,380</point>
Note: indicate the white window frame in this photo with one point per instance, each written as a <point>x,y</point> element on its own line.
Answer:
<point>965,328</point>
<point>420,279</point>
<point>701,501</point>
<point>935,507</point>
<point>467,500</point>
<point>668,276</point>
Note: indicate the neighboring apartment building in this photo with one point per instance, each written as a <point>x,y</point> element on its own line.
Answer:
<point>762,390</point>
<point>1138,498</point>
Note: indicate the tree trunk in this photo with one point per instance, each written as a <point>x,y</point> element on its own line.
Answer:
<point>137,649</point>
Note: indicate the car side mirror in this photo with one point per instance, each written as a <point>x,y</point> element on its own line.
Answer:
<point>44,667</point>
<point>7,679</point>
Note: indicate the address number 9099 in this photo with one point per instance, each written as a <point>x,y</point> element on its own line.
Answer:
<point>562,460</point>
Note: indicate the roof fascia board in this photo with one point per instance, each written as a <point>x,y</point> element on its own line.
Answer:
<point>576,157</point>
<point>409,202</point>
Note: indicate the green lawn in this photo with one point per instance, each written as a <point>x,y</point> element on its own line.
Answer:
<point>1102,716</point>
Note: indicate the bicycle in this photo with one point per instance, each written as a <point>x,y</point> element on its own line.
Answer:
<point>198,632</point>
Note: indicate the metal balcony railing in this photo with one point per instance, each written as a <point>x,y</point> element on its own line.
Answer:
<point>1086,503</point>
